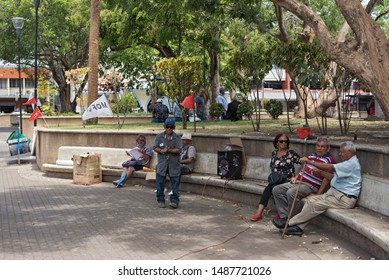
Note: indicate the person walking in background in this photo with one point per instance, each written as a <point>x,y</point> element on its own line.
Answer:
<point>221,99</point>
<point>160,112</point>
<point>168,147</point>
<point>140,157</point>
<point>282,162</point>
<point>346,181</point>
<point>311,183</point>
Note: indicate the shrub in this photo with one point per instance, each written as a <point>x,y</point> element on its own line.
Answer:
<point>47,110</point>
<point>246,109</point>
<point>274,108</point>
<point>216,110</point>
<point>125,104</point>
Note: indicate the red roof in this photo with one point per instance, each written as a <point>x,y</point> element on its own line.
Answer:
<point>12,73</point>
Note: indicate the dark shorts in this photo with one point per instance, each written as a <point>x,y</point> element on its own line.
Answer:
<point>138,167</point>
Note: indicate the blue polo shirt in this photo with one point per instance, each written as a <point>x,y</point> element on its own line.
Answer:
<point>347,177</point>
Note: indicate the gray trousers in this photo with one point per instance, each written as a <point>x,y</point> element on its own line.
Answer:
<point>284,194</point>
<point>318,204</point>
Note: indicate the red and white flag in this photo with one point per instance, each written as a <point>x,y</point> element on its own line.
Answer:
<point>36,114</point>
<point>32,101</point>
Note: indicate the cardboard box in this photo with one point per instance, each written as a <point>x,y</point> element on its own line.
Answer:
<point>87,169</point>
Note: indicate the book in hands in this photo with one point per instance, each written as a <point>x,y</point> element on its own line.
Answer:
<point>135,153</point>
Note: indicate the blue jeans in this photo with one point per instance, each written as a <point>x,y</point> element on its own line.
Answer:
<point>267,193</point>
<point>184,169</point>
<point>174,184</point>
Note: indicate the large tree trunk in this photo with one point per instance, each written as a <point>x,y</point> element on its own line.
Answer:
<point>93,76</point>
<point>366,56</point>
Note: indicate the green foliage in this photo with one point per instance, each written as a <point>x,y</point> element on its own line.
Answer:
<point>63,37</point>
<point>47,110</point>
<point>274,108</point>
<point>181,75</point>
<point>251,59</point>
<point>125,104</point>
<point>245,109</point>
<point>216,110</point>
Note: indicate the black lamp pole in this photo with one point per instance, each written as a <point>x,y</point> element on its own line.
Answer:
<point>18,23</point>
<point>36,4</point>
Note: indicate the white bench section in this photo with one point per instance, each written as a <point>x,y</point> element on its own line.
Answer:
<point>111,158</point>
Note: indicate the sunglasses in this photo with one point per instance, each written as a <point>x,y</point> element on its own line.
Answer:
<point>170,126</point>
<point>283,141</point>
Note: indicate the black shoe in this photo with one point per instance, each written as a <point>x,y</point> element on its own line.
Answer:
<point>294,230</point>
<point>173,205</point>
<point>280,224</point>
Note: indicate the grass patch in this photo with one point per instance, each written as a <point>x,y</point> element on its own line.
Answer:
<point>267,127</point>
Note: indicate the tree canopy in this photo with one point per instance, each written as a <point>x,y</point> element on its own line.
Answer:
<point>136,34</point>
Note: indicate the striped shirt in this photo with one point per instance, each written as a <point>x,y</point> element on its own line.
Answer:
<point>315,179</point>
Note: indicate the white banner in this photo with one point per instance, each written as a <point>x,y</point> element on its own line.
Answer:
<point>97,109</point>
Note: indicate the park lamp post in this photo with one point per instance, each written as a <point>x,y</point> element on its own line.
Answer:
<point>18,23</point>
<point>36,4</point>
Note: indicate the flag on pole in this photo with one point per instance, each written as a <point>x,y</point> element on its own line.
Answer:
<point>36,114</point>
<point>188,102</point>
<point>100,107</point>
<point>30,101</point>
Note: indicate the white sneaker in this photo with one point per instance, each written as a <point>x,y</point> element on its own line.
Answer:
<point>170,193</point>
<point>164,191</point>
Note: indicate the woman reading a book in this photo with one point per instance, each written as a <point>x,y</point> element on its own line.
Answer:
<point>140,157</point>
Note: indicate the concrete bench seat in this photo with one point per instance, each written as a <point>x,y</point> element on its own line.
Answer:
<point>367,225</point>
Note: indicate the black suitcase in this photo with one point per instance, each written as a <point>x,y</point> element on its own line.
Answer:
<point>229,164</point>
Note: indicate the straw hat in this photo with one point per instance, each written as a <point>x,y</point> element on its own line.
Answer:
<point>186,136</point>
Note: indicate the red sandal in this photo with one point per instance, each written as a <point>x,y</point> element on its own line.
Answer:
<point>256,218</point>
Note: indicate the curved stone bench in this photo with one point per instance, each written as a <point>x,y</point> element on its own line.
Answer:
<point>367,225</point>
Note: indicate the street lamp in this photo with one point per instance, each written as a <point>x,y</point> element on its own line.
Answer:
<point>36,4</point>
<point>18,23</point>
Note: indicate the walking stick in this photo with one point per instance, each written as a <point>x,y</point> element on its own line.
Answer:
<point>294,201</point>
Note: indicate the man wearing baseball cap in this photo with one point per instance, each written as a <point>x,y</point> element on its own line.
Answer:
<point>168,147</point>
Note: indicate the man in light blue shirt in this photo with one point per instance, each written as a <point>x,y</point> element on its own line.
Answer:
<point>222,100</point>
<point>346,181</point>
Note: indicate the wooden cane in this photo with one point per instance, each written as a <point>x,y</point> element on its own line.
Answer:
<point>294,201</point>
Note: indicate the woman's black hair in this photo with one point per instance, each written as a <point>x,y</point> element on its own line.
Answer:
<point>275,141</point>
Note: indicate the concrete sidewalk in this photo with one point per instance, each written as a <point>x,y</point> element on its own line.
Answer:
<point>49,218</point>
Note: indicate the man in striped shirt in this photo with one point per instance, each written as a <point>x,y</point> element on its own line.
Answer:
<point>311,183</point>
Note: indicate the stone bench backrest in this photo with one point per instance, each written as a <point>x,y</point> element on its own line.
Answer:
<point>374,194</point>
<point>257,168</point>
<point>110,157</point>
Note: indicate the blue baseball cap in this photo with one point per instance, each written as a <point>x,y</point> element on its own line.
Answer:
<point>170,121</point>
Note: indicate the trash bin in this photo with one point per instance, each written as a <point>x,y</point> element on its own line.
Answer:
<point>229,164</point>
<point>18,142</point>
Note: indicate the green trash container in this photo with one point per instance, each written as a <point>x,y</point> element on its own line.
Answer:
<point>18,142</point>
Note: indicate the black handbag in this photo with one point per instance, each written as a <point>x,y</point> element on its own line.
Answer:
<point>276,178</point>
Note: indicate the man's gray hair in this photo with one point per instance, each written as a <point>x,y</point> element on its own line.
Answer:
<point>323,139</point>
<point>348,146</point>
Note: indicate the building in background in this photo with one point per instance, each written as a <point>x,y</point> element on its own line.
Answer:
<point>9,87</point>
